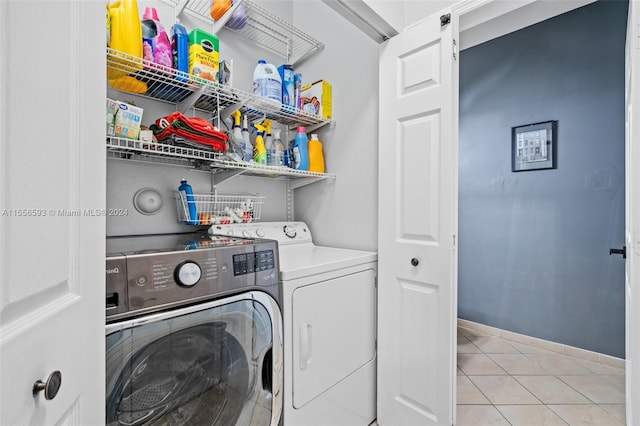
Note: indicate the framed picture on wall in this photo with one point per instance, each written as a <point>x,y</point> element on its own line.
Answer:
<point>533,146</point>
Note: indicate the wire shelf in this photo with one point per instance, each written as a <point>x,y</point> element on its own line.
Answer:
<point>263,28</point>
<point>256,169</point>
<point>130,149</point>
<point>160,149</point>
<point>150,80</point>
<point>217,209</point>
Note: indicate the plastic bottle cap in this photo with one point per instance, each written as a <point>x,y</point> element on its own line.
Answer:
<point>262,61</point>
<point>314,136</point>
<point>301,129</point>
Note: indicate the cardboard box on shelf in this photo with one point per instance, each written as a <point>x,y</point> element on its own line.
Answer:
<point>123,120</point>
<point>316,98</point>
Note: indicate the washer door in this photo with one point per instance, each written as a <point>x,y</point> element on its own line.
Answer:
<point>211,364</point>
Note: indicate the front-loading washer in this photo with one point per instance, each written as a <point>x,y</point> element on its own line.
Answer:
<point>329,318</point>
<point>193,332</point>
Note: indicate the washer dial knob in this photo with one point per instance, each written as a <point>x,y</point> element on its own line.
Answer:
<point>187,273</point>
<point>290,231</point>
<point>246,233</point>
<point>260,232</point>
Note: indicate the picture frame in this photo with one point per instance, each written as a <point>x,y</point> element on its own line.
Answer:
<point>534,146</point>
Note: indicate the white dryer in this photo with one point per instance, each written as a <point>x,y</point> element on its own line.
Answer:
<point>329,319</point>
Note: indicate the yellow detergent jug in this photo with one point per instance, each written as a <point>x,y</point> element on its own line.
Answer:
<point>316,158</point>
<point>125,40</point>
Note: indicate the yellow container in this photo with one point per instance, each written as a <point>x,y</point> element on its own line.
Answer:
<point>316,98</point>
<point>316,158</point>
<point>125,38</point>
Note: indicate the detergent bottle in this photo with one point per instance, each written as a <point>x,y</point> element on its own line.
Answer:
<point>248,149</point>
<point>155,41</point>
<point>187,194</point>
<point>268,141</point>
<point>267,82</point>
<point>278,149</point>
<point>259,151</point>
<point>300,150</point>
<point>125,38</point>
<point>316,159</point>
<point>180,51</point>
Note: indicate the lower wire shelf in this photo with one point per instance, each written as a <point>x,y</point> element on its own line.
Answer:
<point>218,209</point>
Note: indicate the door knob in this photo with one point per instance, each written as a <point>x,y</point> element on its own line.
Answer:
<point>414,262</point>
<point>623,252</point>
<point>50,387</point>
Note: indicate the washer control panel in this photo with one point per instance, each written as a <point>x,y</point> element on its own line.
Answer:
<point>145,273</point>
<point>283,232</point>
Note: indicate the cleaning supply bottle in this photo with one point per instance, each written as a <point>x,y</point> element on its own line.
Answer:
<point>155,41</point>
<point>180,51</point>
<point>316,158</point>
<point>236,132</point>
<point>278,149</point>
<point>125,38</point>
<point>248,148</point>
<point>187,194</point>
<point>259,151</point>
<point>268,141</point>
<point>238,18</point>
<point>300,150</point>
<point>219,8</point>
<point>267,82</point>
<point>287,158</point>
<point>297,90</point>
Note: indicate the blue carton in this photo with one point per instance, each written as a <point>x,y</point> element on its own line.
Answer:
<point>288,96</point>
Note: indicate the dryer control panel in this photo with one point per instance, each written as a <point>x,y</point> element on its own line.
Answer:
<point>283,232</point>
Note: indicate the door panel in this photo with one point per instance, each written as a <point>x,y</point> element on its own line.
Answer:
<point>417,212</point>
<point>418,146</point>
<point>52,168</point>
<point>632,203</point>
<point>333,332</point>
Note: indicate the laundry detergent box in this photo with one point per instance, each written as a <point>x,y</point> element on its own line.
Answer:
<point>316,98</point>
<point>203,56</point>
<point>126,120</point>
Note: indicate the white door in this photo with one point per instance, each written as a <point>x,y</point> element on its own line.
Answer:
<point>52,168</point>
<point>418,169</point>
<point>632,215</point>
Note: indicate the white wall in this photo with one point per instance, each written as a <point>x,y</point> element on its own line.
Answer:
<point>343,212</point>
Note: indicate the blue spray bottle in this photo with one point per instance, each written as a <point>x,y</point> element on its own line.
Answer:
<point>187,194</point>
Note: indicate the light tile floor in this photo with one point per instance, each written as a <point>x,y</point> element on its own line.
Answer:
<point>501,382</point>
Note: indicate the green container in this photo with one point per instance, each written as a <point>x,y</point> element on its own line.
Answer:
<point>203,56</point>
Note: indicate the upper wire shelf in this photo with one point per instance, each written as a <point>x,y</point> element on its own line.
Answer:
<point>147,79</point>
<point>263,28</point>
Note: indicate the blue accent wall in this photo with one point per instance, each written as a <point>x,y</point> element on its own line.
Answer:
<point>534,245</point>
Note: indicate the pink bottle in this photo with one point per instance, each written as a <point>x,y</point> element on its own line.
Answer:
<point>156,45</point>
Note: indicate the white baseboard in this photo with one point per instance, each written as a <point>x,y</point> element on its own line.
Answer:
<point>611,361</point>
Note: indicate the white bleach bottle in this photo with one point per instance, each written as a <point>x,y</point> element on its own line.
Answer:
<point>267,82</point>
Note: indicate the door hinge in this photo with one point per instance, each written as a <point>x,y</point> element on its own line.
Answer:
<point>445,19</point>
<point>455,50</point>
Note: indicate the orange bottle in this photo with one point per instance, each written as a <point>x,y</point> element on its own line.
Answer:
<point>316,158</point>
<point>219,7</point>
